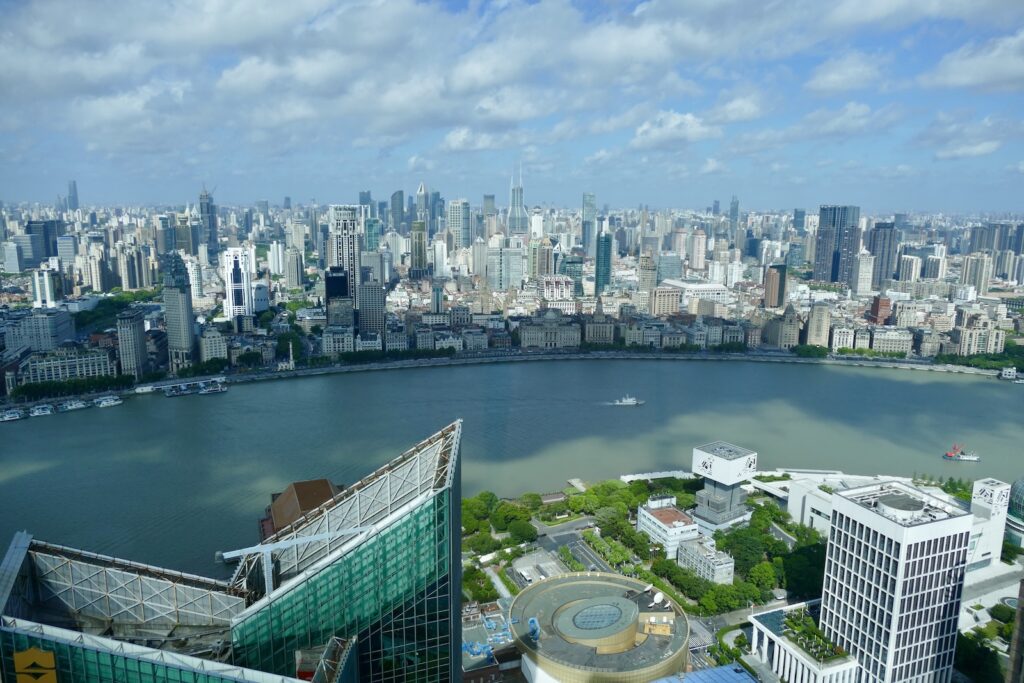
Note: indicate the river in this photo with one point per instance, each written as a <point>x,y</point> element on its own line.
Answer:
<point>170,481</point>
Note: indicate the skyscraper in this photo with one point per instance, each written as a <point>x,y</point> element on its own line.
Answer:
<point>863,272</point>
<point>518,218</point>
<point>799,220</point>
<point>490,208</point>
<point>208,221</point>
<point>588,224</point>
<point>372,308</point>
<point>344,243</point>
<point>293,268</point>
<point>371,234</point>
<point>178,317</point>
<point>883,243</point>
<point>422,205</point>
<point>818,321</point>
<point>894,573</point>
<point>398,211</point>
<point>603,264</point>
<point>977,271</point>
<point>837,243</point>
<point>236,270</point>
<point>734,216</point>
<point>573,267</point>
<point>775,286</point>
<point>647,272</point>
<point>131,342</point>
<point>72,195</point>
<point>459,224</point>
<point>418,251</point>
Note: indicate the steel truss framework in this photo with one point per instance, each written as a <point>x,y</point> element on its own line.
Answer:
<point>420,471</point>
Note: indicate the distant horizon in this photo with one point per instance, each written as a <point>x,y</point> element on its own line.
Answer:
<point>877,103</point>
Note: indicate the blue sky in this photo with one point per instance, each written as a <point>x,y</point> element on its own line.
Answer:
<point>890,104</point>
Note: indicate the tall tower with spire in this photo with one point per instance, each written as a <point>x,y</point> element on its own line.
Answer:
<point>518,219</point>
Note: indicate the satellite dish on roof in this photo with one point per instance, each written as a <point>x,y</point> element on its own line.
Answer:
<point>658,597</point>
<point>649,588</point>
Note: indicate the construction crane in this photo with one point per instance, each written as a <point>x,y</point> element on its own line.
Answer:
<point>266,550</point>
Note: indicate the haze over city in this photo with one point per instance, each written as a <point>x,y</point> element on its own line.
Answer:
<point>893,105</point>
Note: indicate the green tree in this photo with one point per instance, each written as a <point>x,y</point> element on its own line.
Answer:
<point>762,575</point>
<point>531,500</point>
<point>505,512</point>
<point>522,531</point>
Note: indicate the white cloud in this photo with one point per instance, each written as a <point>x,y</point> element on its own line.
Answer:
<point>970,149</point>
<point>712,165</point>
<point>959,136</point>
<point>418,163</point>
<point>1019,167</point>
<point>464,139</point>
<point>672,128</point>
<point>745,107</point>
<point>995,65</point>
<point>851,71</point>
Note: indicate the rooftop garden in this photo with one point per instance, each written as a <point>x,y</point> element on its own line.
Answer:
<point>800,627</point>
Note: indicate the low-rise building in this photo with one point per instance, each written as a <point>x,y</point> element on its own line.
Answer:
<point>65,363</point>
<point>706,561</point>
<point>665,524</point>
<point>338,339</point>
<point>779,640</point>
<point>368,341</point>
<point>212,344</point>
<point>892,340</point>
<point>474,339</point>
<point>445,339</point>
<point>552,330</point>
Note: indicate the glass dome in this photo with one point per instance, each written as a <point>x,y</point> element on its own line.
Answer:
<point>1017,499</point>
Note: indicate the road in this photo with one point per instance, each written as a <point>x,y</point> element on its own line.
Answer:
<point>582,552</point>
<point>1009,581</point>
<point>499,585</point>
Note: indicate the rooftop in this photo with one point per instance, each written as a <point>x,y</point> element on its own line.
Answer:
<point>901,503</point>
<point>726,450</point>
<point>670,516</point>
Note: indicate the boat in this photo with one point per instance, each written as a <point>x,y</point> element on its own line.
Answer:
<point>74,404</point>
<point>11,415</point>
<point>212,388</point>
<point>959,454</point>
<point>627,400</point>
<point>41,410</point>
<point>107,401</point>
<point>1018,381</point>
<point>180,390</point>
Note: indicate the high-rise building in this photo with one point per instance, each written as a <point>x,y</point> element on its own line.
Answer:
<point>588,224</point>
<point>863,274</point>
<point>518,218</point>
<point>459,223</point>
<point>1015,671</point>
<point>775,286</point>
<point>799,220</point>
<point>46,231</point>
<point>287,203</point>
<point>697,250</point>
<point>178,317</point>
<point>208,221</point>
<point>909,269</point>
<point>72,195</point>
<point>894,574</point>
<point>344,241</point>
<point>398,212</point>
<point>293,269</point>
<point>934,268</point>
<point>490,208</point>
<point>977,271</point>
<point>46,288</point>
<point>725,468</point>
<point>366,199</point>
<point>818,323</point>
<point>371,234</point>
<point>603,263</point>
<point>883,243</point>
<point>837,244</point>
<point>573,267</point>
<point>372,307</point>
<point>647,274</point>
<point>418,251</point>
<point>366,586</point>
<point>236,271</point>
<point>716,208</point>
<point>131,342</point>
<point>734,216</point>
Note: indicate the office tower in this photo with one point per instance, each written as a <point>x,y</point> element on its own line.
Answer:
<point>131,342</point>
<point>697,250</point>
<point>647,274</point>
<point>573,267</point>
<point>894,573</point>
<point>883,243</point>
<point>909,269</point>
<point>588,224</point>
<point>504,268</point>
<point>934,268</point>
<point>178,317</point>
<point>367,585</point>
<point>423,205</point>
<point>11,255</point>
<point>294,269</point>
<point>603,263</point>
<point>287,204</point>
<point>459,225</point>
<point>371,234</point>
<point>716,208</point>
<point>165,239</point>
<point>418,251</point>
<point>725,468</point>
<point>372,308</point>
<point>208,222</point>
<point>518,218</point>
<point>977,271</point>
<point>775,286</point>
<point>398,211</point>
<point>734,216</point>
<point>366,199</point>
<point>901,221</point>
<point>263,208</point>
<point>863,274</point>
<point>72,195</point>
<point>799,220</point>
<point>339,297</point>
<point>344,244</point>
<point>818,322</point>
<point>46,288</point>
<point>490,208</point>
<point>67,250</point>
<point>837,244</point>
<point>275,258</point>
<point>236,272</point>
<point>46,233</point>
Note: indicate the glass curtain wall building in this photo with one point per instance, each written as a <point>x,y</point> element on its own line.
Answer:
<point>367,587</point>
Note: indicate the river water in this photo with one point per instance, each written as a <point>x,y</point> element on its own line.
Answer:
<point>170,481</point>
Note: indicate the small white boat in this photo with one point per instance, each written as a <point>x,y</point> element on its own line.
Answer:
<point>107,401</point>
<point>213,388</point>
<point>627,400</point>
<point>41,410</point>
<point>11,415</point>
<point>74,404</point>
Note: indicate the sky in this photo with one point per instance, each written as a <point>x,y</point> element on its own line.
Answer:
<point>893,105</point>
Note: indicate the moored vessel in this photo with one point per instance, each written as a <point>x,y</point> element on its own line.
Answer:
<point>74,404</point>
<point>41,410</point>
<point>107,401</point>
<point>11,415</point>
<point>960,454</point>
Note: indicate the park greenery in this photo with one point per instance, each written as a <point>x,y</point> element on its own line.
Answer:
<point>809,351</point>
<point>478,585</point>
<point>104,314</point>
<point>976,658</point>
<point>870,353</point>
<point>212,366</point>
<point>354,357</point>
<point>1012,356</point>
<point>72,387</point>
<point>801,628</point>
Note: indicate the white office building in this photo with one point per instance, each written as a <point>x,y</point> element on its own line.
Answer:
<point>236,270</point>
<point>665,524</point>
<point>725,467</point>
<point>894,574</point>
<point>705,560</point>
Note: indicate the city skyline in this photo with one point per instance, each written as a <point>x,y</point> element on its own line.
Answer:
<point>894,106</point>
